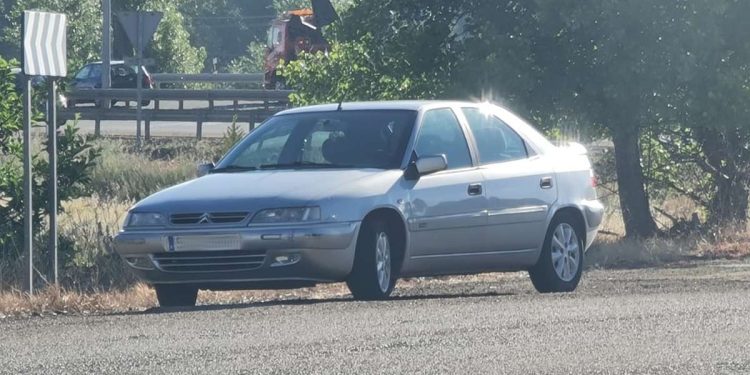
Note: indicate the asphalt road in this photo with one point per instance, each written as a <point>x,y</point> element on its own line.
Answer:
<point>688,320</point>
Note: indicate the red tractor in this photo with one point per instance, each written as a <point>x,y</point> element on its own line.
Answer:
<point>294,32</point>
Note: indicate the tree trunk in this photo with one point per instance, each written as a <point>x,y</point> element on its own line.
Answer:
<point>724,153</point>
<point>636,211</point>
<point>729,203</point>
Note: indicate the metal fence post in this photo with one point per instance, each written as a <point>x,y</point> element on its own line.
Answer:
<point>52,143</point>
<point>28,213</point>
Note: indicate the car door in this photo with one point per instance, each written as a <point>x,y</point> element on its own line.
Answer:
<point>446,209</point>
<point>519,185</point>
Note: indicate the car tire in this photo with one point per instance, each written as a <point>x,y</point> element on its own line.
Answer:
<point>171,295</point>
<point>374,274</point>
<point>145,103</point>
<point>560,264</point>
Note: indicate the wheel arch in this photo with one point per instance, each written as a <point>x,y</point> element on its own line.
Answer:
<point>397,222</point>
<point>576,214</point>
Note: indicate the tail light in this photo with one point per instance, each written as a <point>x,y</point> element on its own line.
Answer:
<point>594,181</point>
<point>147,81</point>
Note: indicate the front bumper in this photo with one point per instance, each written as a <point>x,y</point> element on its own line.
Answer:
<point>315,253</point>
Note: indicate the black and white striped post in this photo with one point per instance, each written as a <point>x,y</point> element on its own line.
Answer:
<point>44,54</point>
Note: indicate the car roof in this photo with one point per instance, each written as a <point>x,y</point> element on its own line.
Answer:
<point>409,105</point>
<point>113,62</point>
<point>528,132</point>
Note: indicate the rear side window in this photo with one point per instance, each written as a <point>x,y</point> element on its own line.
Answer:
<point>96,71</point>
<point>496,141</point>
<point>441,134</point>
<point>84,72</point>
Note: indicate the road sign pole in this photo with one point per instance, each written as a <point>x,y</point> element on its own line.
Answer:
<point>44,54</point>
<point>52,143</point>
<point>28,283</point>
<point>139,57</point>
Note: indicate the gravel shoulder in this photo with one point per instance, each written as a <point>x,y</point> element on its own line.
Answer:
<point>688,319</point>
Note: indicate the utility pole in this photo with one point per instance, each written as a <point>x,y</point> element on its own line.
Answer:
<point>106,48</point>
<point>139,77</point>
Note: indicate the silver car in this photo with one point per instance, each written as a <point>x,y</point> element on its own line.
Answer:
<point>366,193</point>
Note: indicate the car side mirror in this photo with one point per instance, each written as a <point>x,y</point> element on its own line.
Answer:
<point>205,168</point>
<point>426,165</point>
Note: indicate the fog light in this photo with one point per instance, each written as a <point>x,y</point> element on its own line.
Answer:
<point>142,263</point>
<point>285,260</point>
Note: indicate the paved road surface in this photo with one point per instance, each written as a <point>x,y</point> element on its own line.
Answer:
<point>693,320</point>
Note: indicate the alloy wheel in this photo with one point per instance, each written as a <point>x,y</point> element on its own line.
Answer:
<point>566,252</point>
<point>383,261</point>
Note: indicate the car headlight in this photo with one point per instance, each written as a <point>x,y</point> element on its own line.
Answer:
<point>287,215</point>
<point>144,219</point>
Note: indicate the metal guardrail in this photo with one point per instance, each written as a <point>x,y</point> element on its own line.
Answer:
<point>251,106</point>
<point>207,77</point>
<point>209,95</point>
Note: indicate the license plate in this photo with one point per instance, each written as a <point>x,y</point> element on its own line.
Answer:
<point>203,242</point>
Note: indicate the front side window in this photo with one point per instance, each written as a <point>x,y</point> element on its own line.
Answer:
<point>441,134</point>
<point>496,141</point>
<point>335,139</point>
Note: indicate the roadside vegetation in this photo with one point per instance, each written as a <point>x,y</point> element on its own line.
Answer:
<point>660,92</point>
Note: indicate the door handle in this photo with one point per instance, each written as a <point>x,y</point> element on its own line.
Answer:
<point>545,183</point>
<point>475,189</point>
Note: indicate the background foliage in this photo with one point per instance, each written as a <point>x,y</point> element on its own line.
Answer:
<point>661,86</point>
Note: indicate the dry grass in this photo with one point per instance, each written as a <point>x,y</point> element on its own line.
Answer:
<point>612,250</point>
<point>53,301</point>
<point>728,243</point>
<point>628,253</point>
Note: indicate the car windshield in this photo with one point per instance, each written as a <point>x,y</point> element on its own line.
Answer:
<point>336,139</point>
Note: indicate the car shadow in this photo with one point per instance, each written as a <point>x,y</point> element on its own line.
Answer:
<point>308,302</point>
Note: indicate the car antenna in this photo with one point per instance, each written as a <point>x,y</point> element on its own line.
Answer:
<point>341,101</point>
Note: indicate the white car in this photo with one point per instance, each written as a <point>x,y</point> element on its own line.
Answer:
<point>366,193</point>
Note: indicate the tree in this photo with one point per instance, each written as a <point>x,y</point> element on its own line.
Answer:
<point>712,98</point>
<point>76,159</point>
<point>226,28</point>
<point>171,46</point>
<point>348,72</point>
<point>612,62</point>
<point>251,62</point>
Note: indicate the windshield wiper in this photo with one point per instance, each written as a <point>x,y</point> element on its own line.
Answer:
<point>232,169</point>
<point>304,164</point>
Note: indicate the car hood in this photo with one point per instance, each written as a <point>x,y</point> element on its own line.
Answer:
<point>256,190</point>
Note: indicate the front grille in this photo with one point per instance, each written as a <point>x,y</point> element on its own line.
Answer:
<point>210,261</point>
<point>208,218</point>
